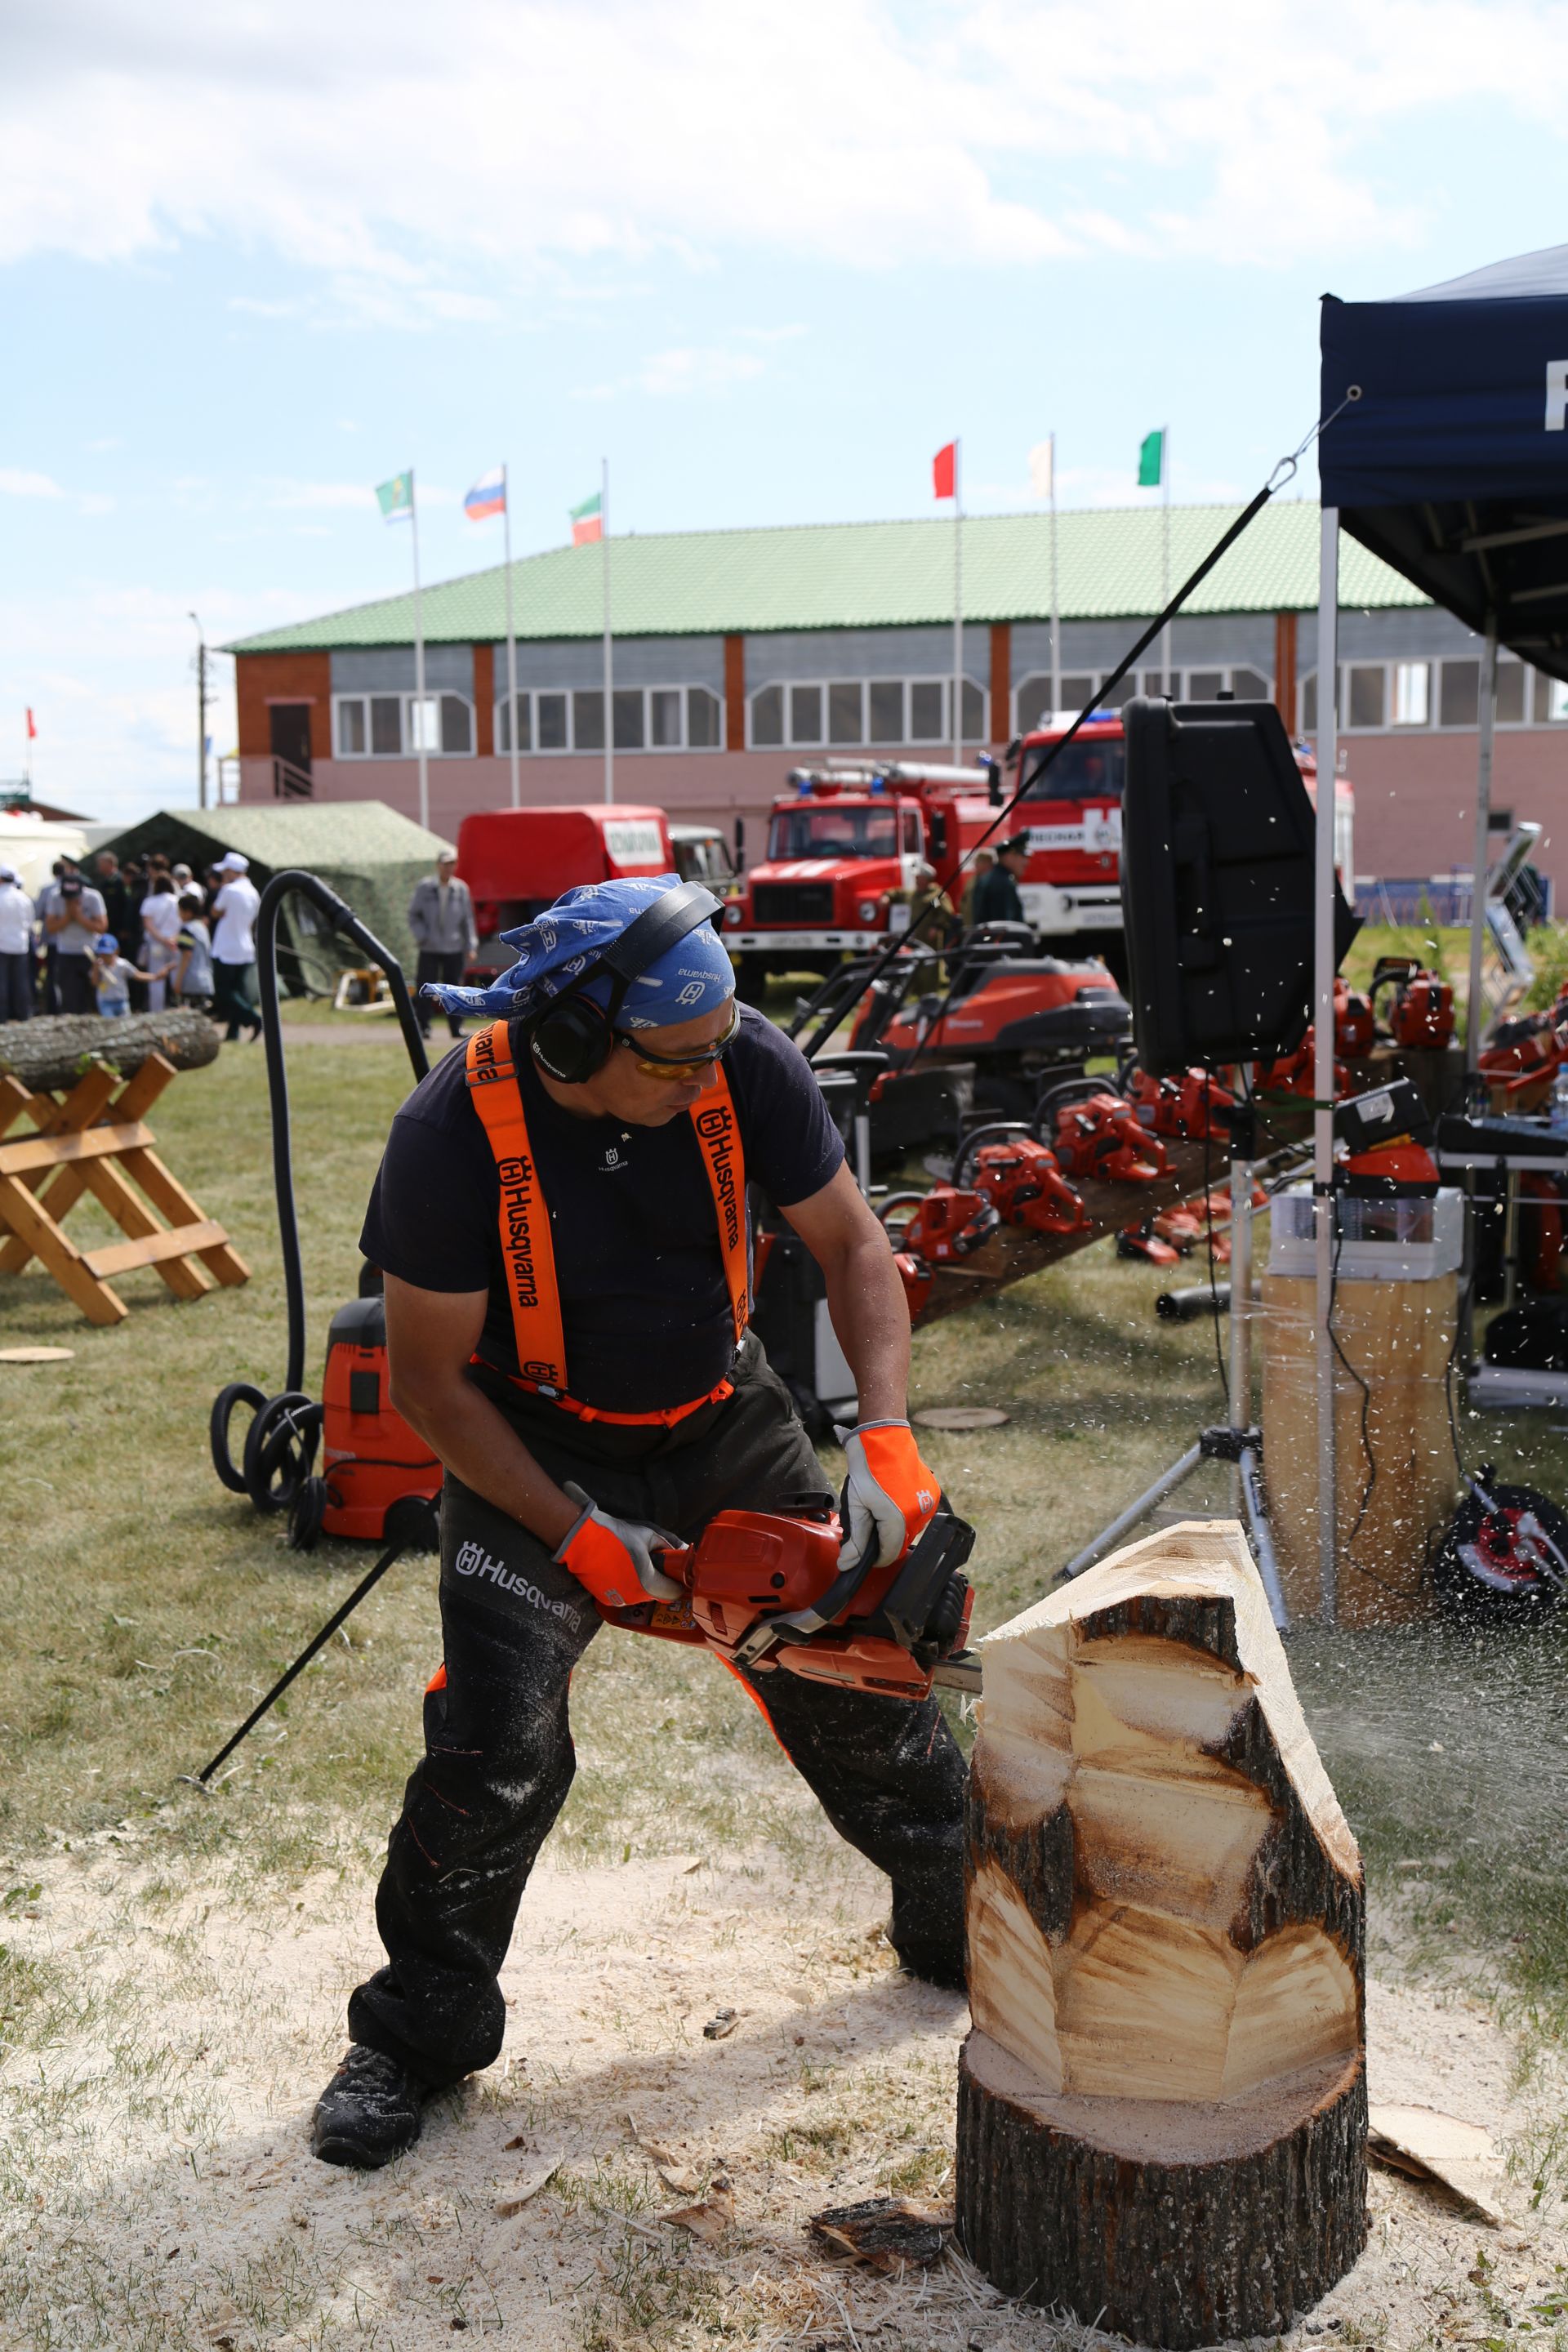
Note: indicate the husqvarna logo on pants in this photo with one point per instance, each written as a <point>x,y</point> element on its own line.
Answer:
<point>471,1559</point>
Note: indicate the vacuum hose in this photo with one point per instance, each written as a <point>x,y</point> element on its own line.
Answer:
<point>274,1468</point>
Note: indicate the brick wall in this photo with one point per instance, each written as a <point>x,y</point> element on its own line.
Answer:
<point>260,679</point>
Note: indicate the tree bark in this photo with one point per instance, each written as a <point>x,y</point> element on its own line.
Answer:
<point>55,1050</point>
<point>1162,2108</point>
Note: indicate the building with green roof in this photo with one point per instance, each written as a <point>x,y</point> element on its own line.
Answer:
<point>740,653</point>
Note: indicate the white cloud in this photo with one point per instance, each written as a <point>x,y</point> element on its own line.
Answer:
<point>430,165</point>
<point>16,483</point>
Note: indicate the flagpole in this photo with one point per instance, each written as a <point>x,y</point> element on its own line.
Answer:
<point>957,607</point>
<point>510,642</point>
<point>419,665</point>
<point>1055,610</point>
<point>1165,540</point>
<point>609,662</point>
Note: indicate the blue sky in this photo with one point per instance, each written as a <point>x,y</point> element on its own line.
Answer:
<point>765,260</point>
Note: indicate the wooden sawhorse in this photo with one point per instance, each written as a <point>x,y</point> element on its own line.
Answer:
<point>95,1140</point>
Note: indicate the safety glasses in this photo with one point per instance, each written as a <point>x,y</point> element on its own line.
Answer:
<point>684,1066</point>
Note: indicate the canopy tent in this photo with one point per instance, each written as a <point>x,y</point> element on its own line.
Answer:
<point>369,853</point>
<point>1444,450</point>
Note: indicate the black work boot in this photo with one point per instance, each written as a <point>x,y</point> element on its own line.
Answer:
<point>369,2112</point>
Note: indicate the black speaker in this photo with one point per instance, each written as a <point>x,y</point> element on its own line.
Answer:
<point>1218,856</point>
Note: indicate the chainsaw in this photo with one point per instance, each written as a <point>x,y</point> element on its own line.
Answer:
<point>768,1593</point>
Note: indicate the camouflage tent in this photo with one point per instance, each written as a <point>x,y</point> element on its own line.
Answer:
<point>369,853</point>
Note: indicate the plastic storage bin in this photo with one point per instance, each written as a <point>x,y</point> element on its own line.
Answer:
<point>1375,1241</point>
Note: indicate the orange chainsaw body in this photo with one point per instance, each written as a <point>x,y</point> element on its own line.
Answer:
<point>751,1565</point>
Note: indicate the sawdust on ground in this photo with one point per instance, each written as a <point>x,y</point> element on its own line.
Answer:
<point>160,2191</point>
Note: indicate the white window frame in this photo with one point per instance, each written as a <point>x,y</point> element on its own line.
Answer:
<point>407,748</point>
<point>786,686</point>
<point>1434,722</point>
<point>530,696</point>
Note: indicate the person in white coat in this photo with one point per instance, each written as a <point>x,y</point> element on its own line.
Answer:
<point>16,948</point>
<point>234,947</point>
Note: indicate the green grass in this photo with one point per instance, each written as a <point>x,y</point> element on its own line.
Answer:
<point>146,1608</point>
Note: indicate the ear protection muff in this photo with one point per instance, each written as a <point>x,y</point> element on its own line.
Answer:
<point>575,1035</point>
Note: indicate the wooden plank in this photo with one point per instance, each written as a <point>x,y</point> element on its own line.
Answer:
<point>1398,1336</point>
<point>60,1150</point>
<point>1015,1252</point>
<point>150,1249</point>
<point>170,1196</point>
<point>59,1257</point>
<point>52,1114</point>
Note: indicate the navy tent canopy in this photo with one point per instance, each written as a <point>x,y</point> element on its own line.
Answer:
<point>1449,455</point>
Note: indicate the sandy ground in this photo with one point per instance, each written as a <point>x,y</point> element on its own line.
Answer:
<point>159,2189</point>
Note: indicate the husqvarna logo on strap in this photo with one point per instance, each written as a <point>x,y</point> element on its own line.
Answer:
<point>518,1205</point>
<point>716,1128</point>
<point>483,1066</point>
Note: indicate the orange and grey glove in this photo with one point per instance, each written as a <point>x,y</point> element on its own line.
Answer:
<point>889,1495</point>
<point>614,1558</point>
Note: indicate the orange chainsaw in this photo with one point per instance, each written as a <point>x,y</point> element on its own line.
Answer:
<point>768,1592</point>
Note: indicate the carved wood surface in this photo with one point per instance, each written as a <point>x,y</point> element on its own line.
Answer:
<point>1162,2113</point>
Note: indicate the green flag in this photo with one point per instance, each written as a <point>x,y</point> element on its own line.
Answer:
<point>396,497</point>
<point>1152,461</point>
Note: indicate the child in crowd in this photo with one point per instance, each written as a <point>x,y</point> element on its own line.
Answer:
<point>194,972</point>
<point>112,977</point>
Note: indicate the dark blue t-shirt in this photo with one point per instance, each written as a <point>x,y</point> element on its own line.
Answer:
<point>635,1237</point>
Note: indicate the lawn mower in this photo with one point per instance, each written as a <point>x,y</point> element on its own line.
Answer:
<point>992,1006</point>
<point>371,1459</point>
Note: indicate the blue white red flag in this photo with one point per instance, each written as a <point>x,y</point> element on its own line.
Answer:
<point>488,496</point>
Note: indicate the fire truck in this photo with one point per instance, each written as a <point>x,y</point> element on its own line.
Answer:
<point>846,843</point>
<point>517,862</point>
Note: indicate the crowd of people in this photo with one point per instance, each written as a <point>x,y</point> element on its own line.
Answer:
<point>139,936</point>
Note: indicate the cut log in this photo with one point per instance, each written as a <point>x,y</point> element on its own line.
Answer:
<point>54,1051</point>
<point>1162,2118</point>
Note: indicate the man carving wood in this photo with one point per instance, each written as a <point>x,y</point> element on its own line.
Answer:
<point>561,1219</point>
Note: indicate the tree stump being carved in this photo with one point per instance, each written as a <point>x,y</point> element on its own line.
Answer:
<point>1161,2107</point>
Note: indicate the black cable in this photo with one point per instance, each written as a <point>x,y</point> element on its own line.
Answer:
<point>1365,1416</point>
<point>342,918</point>
<point>1053,752</point>
<point>1214,1278</point>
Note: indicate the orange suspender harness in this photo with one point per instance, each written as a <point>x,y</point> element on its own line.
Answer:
<point>528,1253</point>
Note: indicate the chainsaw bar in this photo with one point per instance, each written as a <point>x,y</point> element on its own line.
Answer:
<point>959,1672</point>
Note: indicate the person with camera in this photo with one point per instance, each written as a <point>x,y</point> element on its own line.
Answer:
<point>562,1224</point>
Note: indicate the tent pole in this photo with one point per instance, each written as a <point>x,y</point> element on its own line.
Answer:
<point>1475,1016</point>
<point>1323,1064</point>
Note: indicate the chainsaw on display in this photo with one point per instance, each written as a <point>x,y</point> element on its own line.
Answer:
<point>768,1591</point>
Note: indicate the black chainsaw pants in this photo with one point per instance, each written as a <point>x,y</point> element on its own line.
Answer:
<point>498,1758</point>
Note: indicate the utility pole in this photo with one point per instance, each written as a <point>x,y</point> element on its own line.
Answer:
<point>201,713</point>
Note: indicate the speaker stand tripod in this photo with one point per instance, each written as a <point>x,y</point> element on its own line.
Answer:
<point>1238,1441</point>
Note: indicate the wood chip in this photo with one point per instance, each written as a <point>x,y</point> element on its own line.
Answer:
<point>36,1355</point>
<point>1425,2144</point>
<point>884,2231</point>
<point>723,2022</point>
<point>667,2164</point>
<point>523,2191</point>
<point>961,1416</point>
<point>710,2219</point>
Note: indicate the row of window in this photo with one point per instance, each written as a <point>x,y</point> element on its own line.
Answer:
<point>845,712</point>
<point>840,713</point>
<point>1382,695</point>
<point>645,719</point>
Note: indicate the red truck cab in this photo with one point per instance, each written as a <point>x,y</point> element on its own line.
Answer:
<point>845,846</point>
<point>517,862</point>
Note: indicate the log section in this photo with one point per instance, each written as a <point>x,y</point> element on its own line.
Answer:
<point>53,1051</point>
<point>1161,2107</point>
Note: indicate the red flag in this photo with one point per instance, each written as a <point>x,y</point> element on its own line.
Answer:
<point>32,730</point>
<point>944,471</point>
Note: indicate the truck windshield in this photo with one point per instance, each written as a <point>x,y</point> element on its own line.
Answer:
<point>822,829</point>
<point>1084,771</point>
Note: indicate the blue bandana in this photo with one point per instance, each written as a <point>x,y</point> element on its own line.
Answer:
<point>556,950</point>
